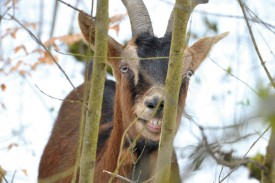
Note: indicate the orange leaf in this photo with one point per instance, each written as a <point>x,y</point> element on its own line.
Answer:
<point>18,48</point>
<point>3,87</point>
<point>115,28</point>
<point>45,59</point>
<point>22,72</point>
<point>14,68</point>
<point>13,33</point>
<point>117,18</point>
<point>68,39</point>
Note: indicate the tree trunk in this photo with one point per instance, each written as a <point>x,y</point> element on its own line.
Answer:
<point>172,87</point>
<point>88,157</point>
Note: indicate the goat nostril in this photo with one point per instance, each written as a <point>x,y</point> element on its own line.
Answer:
<point>161,104</point>
<point>150,104</point>
<point>154,102</point>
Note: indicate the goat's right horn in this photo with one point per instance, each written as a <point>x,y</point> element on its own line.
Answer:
<point>193,4</point>
<point>139,17</point>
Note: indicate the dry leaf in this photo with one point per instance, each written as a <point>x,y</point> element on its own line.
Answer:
<point>12,145</point>
<point>18,48</point>
<point>115,28</point>
<point>18,64</point>
<point>38,50</point>
<point>46,59</point>
<point>25,172</point>
<point>13,33</point>
<point>3,87</point>
<point>68,39</point>
<point>117,18</point>
<point>22,72</point>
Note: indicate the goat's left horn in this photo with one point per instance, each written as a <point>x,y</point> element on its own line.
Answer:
<point>193,4</point>
<point>139,17</point>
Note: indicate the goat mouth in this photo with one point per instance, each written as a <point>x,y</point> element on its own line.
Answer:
<point>153,125</point>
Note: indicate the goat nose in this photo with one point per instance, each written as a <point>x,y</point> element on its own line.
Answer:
<point>152,103</point>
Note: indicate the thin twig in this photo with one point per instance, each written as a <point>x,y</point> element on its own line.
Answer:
<point>62,100</point>
<point>38,41</point>
<point>244,156</point>
<point>118,176</point>
<point>252,89</point>
<point>256,20</point>
<point>54,19</point>
<point>13,176</point>
<point>242,5</point>
<point>71,6</point>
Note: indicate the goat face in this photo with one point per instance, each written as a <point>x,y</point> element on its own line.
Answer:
<point>143,71</point>
<point>140,77</point>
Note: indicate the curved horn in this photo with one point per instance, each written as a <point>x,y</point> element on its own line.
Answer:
<point>193,4</point>
<point>139,17</point>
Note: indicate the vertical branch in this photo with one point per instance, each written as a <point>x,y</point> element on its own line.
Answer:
<point>172,87</point>
<point>268,174</point>
<point>88,157</point>
<point>54,18</point>
<point>84,110</point>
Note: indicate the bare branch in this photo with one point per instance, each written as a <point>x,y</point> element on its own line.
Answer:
<point>71,101</point>
<point>119,176</point>
<point>242,5</point>
<point>244,156</point>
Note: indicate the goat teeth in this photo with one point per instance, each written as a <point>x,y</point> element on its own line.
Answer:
<point>155,122</point>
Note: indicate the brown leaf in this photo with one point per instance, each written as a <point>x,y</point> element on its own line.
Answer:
<point>18,64</point>
<point>13,33</point>
<point>12,145</point>
<point>25,172</point>
<point>3,87</point>
<point>46,59</point>
<point>22,72</point>
<point>115,28</point>
<point>117,18</point>
<point>18,48</point>
<point>68,39</point>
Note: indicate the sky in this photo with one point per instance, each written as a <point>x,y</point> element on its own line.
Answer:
<point>214,98</point>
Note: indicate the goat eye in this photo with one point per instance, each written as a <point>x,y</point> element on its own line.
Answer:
<point>189,74</point>
<point>124,69</point>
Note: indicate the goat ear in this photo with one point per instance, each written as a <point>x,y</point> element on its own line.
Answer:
<point>87,27</point>
<point>201,48</point>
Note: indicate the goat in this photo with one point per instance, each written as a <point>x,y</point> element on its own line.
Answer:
<point>137,95</point>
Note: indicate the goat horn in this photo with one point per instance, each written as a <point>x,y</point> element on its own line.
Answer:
<point>139,17</point>
<point>193,4</point>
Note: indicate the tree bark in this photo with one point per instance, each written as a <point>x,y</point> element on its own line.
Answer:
<point>88,157</point>
<point>172,87</point>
